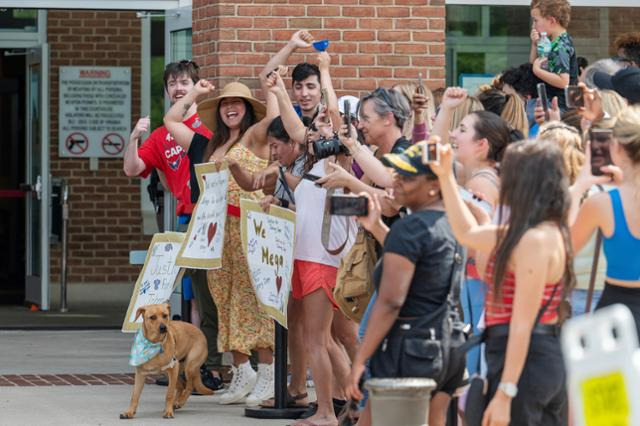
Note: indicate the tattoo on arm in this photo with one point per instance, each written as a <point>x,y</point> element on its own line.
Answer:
<point>186,110</point>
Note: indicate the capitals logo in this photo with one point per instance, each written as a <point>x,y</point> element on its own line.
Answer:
<point>173,153</point>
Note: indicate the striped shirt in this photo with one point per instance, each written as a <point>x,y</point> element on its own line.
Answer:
<point>498,308</point>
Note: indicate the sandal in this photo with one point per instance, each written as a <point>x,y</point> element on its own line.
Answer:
<point>291,401</point>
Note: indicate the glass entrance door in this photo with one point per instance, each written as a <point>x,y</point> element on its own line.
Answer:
<point>38,197</point>
<point>177,47</point>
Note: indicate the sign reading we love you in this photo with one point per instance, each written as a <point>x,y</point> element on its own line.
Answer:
<point>158,278</point>
<point>203,244</point>
<point>268,241</point>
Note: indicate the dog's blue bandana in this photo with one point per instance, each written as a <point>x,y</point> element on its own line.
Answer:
<point>143,350</point>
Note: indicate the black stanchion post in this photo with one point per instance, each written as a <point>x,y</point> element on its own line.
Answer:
<point>280,409</point>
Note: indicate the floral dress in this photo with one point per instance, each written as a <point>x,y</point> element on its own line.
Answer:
<point>242,325</point>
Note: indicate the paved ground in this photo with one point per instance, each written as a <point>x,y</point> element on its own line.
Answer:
<point>70,378</point>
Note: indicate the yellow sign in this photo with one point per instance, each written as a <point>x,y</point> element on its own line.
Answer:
<point>605,400</point>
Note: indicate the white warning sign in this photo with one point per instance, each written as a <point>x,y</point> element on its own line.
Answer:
<point>94,111</point>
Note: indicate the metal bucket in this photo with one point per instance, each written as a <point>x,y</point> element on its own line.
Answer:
<point>400,401</point>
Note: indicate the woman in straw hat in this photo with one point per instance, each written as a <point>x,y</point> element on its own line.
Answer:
<point>239,123</point>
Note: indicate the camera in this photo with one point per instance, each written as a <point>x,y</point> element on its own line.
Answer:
<point>323,148</point>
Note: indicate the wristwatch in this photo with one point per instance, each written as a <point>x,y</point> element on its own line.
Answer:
<point>509,389</point>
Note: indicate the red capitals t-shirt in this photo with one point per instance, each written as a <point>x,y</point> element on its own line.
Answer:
<point>160,151</point>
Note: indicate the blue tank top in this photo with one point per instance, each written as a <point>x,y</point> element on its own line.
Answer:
<point>621,249</point>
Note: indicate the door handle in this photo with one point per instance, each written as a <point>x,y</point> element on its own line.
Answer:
<point>37,188</point>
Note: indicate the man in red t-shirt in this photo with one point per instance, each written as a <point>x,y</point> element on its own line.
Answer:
<point>160,151</point>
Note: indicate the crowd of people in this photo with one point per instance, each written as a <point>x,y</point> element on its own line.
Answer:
<point>513,188</point>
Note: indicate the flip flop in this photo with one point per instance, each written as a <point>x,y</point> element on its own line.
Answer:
<point>291,401</point>
<point>306,422</point>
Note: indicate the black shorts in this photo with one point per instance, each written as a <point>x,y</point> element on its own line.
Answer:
<point>542,393</point>
<point>386,363</point>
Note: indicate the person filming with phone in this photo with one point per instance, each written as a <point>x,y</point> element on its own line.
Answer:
<point>613,154</point>
<point>413,280</point>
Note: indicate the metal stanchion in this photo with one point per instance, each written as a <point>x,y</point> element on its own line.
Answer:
<point>280,409</point>
<point>63,267</point>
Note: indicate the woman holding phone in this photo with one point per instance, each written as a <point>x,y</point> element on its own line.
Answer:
<point>615,213</point>
<point>528,274</point>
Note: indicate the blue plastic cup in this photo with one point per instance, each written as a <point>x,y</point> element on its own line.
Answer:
<point>320,45</point>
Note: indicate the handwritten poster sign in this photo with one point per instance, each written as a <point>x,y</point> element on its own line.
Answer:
<point>268,241</point>
<point>158,278</point>
<point>203,244</point>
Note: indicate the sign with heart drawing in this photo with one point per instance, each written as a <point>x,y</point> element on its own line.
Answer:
<point>268,241</point>
<point>204,241</point>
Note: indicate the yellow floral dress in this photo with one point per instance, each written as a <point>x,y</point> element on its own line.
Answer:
<point>242,325</point>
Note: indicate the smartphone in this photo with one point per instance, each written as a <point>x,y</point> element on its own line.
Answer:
<point>347,114</point>
<point>324,100</point>
<point>544,100</point>
<point>309,176</point>
<point>430,152</point>
<point>574,97</point>
<point>600,149</point>
<point>348,205</point>
<point>420,88</point>
<point>468,196</point>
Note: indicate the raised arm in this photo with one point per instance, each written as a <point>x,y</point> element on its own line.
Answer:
<point>299,39</point>
<point>451,99</point>
<point>173,119</point>
<point>324,64</point>
<point>464,225</point>
<point>133,164</point>
<point>257,133</point>
<point>292,123</point>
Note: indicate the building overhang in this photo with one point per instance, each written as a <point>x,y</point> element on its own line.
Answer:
<point>96,4</point>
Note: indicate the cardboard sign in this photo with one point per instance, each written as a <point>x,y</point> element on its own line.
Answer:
<point>158,278</point>
<point>268,241</point>
<point>203,244</point>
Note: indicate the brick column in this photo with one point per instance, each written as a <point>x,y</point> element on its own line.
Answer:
<point>373,42</point>
<point>105,220</point>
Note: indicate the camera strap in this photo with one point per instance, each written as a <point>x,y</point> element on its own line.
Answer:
<point>326,227</point>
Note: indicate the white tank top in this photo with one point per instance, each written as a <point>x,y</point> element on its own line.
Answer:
<point>309,215</point>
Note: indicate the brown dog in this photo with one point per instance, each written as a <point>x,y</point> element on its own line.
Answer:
<point>184,348</point>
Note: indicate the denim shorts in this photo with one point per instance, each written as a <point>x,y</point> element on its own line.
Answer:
<point>542,393</point>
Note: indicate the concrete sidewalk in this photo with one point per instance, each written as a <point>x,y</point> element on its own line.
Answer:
<point>91,352</point>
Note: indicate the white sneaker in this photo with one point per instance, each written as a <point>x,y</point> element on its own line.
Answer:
<point>264,388</point>
<point>244,379</point>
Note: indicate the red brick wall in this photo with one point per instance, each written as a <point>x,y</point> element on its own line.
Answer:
<point>373,42</point>
<point>105,220</point>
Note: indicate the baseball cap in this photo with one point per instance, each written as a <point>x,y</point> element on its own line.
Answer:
<point>626,82</point>
<point>409,162</point>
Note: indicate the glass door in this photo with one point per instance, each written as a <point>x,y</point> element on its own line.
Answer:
<point>177,47</point>
<point>38,197</point>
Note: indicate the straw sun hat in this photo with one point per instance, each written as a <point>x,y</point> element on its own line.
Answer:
<point>208,109</point>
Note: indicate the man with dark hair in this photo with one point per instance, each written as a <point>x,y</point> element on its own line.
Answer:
<point>160,152</point>
<point>627,48</point>
<point>305,77</point>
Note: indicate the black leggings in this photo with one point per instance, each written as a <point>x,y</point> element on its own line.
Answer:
<point>627,296</point>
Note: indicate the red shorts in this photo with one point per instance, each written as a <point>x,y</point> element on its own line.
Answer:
<point>310,276</point>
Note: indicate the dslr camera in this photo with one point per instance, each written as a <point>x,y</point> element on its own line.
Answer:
<point>323,148</point>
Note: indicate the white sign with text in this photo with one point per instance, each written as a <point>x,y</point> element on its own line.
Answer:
<point>94,115</point>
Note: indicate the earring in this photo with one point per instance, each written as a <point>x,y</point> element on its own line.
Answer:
<point>432,192</point>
